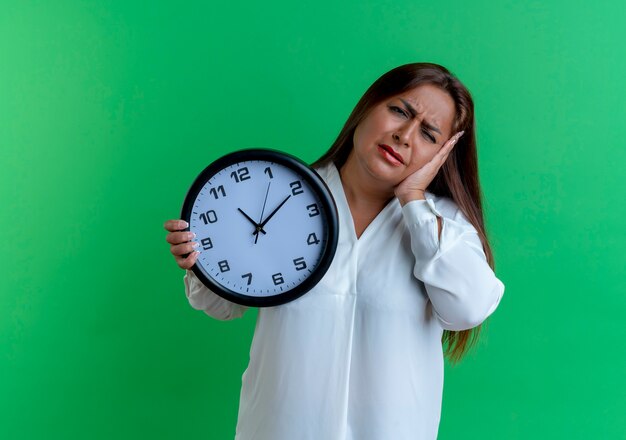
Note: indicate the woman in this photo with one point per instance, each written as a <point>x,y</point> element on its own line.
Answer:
<point>360,356</point>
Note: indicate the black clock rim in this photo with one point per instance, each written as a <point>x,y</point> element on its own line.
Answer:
<point>328,205</point>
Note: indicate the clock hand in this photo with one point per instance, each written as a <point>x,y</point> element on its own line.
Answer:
<point>265,201</point>
<point>257,227</point>
<point>264,222</point>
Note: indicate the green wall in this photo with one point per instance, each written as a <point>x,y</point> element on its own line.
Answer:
<point>109,109</point>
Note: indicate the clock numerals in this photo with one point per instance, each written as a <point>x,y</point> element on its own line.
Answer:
<point>224,267</point>
<point>249,277</point>
<point>312,239</point>
<point>215,192</point>
<point>313,210</point>
<point>208,217</point>
<point>240,175</point>
<point>280,223</point>
<point>206,243</point>
<point>296,188</point>
<point>299,263</point>
<point>278,279</point>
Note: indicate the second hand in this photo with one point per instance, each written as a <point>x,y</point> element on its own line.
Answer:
<point>262,210</point>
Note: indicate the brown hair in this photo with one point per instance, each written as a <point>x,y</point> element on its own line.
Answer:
<point>457,178</point>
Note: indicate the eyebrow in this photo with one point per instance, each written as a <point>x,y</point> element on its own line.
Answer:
<point>414,113</point>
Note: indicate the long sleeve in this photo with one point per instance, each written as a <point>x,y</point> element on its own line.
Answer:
<point>201,298</point>
<point>460,284</point>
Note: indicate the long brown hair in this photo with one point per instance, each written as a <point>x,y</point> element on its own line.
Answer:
<point>457,178</point>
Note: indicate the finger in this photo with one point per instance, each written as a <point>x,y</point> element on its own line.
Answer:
<point>440,157</point>
<point>175,225</point>
<point>179,237</point>
<point>184,248</point>
<point>452,141</point>
<point>433,166</point>
<point>458,135</point>
<point>187,263</point>
<point>446,152</point>
<point>443,152</point>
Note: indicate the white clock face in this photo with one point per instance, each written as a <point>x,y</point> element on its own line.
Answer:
<point>261,228</point>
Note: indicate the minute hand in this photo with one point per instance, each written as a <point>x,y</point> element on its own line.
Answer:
<point>264,222</point>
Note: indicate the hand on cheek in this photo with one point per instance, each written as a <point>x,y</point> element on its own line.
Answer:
<point>414,186</point>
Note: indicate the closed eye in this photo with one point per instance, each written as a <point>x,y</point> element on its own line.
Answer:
<point>429,136</point>
<point>400,111</point>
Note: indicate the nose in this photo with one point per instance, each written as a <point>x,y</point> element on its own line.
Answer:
<point>402,135</point>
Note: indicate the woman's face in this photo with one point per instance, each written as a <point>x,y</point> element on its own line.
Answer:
<point>403,133</point>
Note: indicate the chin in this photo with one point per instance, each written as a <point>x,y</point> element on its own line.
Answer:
<point>386,173</point>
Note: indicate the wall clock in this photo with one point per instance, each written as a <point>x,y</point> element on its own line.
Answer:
<point>266,224</point>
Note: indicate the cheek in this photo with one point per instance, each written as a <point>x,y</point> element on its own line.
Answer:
<point>374,127</point>
<point>420,157</point>
<point>359,138</point>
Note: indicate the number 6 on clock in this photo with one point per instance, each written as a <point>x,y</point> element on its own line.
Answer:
<point>269,226</point>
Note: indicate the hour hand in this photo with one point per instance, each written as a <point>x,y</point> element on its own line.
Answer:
<point>257,228</point>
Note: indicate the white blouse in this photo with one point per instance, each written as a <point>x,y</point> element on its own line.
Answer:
<point>359,357</point>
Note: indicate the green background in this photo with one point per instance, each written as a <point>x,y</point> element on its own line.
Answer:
<point>109,109</point>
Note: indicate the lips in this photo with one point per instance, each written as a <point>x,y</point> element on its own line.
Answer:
<point>391,151</point>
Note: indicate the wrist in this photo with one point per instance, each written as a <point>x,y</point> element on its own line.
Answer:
<point>410,196</point>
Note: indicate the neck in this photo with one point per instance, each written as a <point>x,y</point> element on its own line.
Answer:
<point>363,192</point>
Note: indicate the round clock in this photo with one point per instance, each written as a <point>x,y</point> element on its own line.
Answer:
<point>266,224</point>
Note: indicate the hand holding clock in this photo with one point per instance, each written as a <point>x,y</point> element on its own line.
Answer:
<point>229,206</point>
<point>182,248</point>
